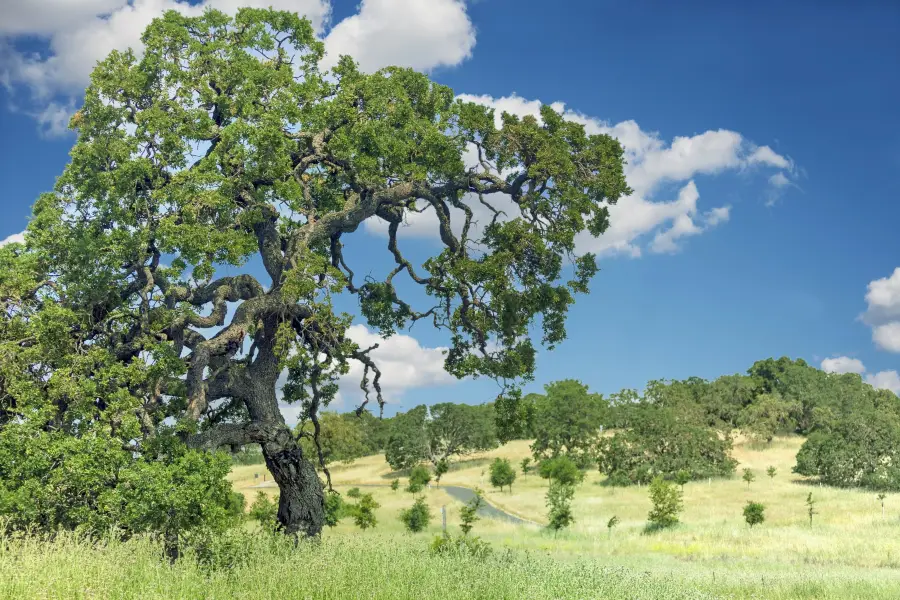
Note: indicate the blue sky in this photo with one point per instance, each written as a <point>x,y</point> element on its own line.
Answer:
<point>802,266</point>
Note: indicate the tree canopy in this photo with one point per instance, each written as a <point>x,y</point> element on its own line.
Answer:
<point>133,303</point>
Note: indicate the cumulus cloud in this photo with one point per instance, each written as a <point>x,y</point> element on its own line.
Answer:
<point>406,33</point>
<point>404,364</point>
<point>883,311</point>
<point>885,380</point>
<point>651,162</point>
<point>16,238</point>
<point>423,35</point>
<point>843,364</point>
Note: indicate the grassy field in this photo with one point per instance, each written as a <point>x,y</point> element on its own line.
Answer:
<point>849,552</point>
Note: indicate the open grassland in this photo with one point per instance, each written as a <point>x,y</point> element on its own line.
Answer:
<point>849,551</point>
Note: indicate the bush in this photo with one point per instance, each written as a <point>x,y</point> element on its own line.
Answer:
<point>263,510</point>
<point>502,473</point>
<point>754,513</point>
<point>559,500</point>
<point>353,493</point>
<point>364,512</point>
<point>561,469</point>
<point>418,479</point>
<point>667,504</point>
<point>440,469</point>
<point>749,477</point>
<point>417,517</point>
<point>236,506</point>
<point>335,509</point>
<point>468,514</point>
<point>447,545</point>
<point>395,484</point>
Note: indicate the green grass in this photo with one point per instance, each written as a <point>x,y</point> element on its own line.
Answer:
<point>850,552</point>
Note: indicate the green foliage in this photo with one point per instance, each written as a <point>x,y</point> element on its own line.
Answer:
<point>667,504</point>
<point>263,510</point>
<point>341,437</point>
<point>682,476</point>
<point>419,477</point>
<point>237,504</point>
<point>417,517</point>
<point>765,416</point>
<point>502,473</point>
<point>567,421</point>
<point>559,502</point>
<point>657,440</point>
<point>146,244</point>
<point>363,512</point>
<point>526,462</point>
<point>447,545</point>
<point>561,469</point>
<point>440,469</point>
<point>248,455</point>
<point>749,476</point>
<point>395,484</point>
<point>335,509</point>
<point>861,448</point>
<point>438,433</point>
<point>353,492</point>
<point>771,472</point>
<point>754,513</point>
<point>468,514</point>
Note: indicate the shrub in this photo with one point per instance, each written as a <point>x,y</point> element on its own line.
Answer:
<point>526,462</point>
<point>236,506</point>
<point>749,476</point>
<point>667,504</point>
<point>364,511</point>
<point>468,514</point>
<point>682,477</point>
<point>395,484</point>
<point>418,479</point>
<point>559,501</point>
<point>335,509</point>
<point>502,473</point>
<point>417,517</point>
<point>447,545</point>
<point>754,513</point>
<point>263,510</point>
<point>440,469</point>
<point>561,469</point>
<point>353,493</point>
<point>771,471</point>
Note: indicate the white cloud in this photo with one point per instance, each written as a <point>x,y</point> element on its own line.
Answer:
<point>779,180</point>
<point>406,33</point>
<point>887,336</point>
<point>885,380</point>
<point>404,364</point>
<point>883,311</point>
<point>16,238</point>
<point>843,364</point>
<point>650,163</point>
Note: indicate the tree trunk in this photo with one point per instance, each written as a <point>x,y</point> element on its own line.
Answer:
<point>301,505</point>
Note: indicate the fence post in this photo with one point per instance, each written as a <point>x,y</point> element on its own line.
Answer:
<point>444,518</point>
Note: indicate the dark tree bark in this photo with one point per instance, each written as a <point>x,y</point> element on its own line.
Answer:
<point>301,505</point>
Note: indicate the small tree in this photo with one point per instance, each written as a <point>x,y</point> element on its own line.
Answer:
<point>263,510</point>
<point>417,517</point>
<point>335,509</point>
<point>418,479</point>
<point>749,477</point>
<point>754,513</point>
<point>811,508</point>
<point>364,512</point>
<point>881,496</point>
<point>559,501</point>
<point>440,469</point>
<point>667,504</point>
<point>771,471</point>
<point>561,469</point>
<point>468,514</point>
<point>353,492</point>
<point>502,473</point>
<point>682,477</point>
<point>526,462</point>
<point>613,521</point>
<point>395,484</point>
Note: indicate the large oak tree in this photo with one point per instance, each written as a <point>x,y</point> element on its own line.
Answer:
<point>225,146</point>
